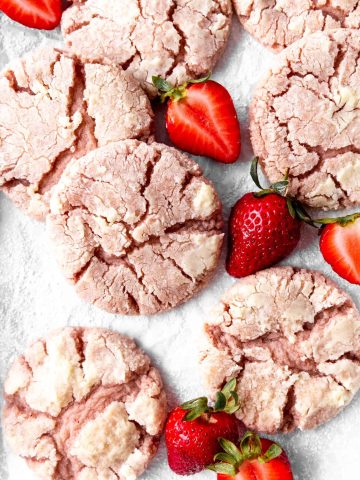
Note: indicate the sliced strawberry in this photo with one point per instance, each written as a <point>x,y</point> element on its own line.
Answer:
<point>201,119</point>
<point>40,14</point>
<point>340,246</point>
<point>256,459</point>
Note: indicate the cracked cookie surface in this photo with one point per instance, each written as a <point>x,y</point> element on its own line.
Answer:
<point>136,227</point>
<point>305,117</point>
<point>54,109</point>
<point>176,39</point>
<point>292,339</point>
<point>279,23</point>
<point>84,404</point>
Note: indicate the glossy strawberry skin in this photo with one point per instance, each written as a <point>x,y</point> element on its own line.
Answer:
<point>192,445</point>
<point>277,469</point>
<point>205,122</point>
<point>261,233</point>
<point>40,14</point>
<point>340,246</point>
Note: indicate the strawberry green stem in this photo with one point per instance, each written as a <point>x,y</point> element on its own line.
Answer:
<point>343,221</point>
<point>230,460</point>
<point>227,401</point>
<point>167,90</point>
<point>296,209</point>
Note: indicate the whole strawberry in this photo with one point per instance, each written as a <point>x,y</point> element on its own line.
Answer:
<point>201,118</point>
<point>255,459</point>
<point>264,228</point>
<point>193,429</point>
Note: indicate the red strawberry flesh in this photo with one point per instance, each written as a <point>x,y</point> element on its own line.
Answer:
<point>277,469</point>
<point>40,14</point>
<point>205,122</point>
<point>340,246</point>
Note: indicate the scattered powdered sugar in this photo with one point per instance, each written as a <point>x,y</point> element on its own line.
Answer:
<point>35,298</point>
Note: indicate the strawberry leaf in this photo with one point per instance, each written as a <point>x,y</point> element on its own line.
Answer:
<point>224,468</point>
<point>254,172</point>
<point>196,402</point>
<point>161,84</point>
<point>220,403</point>
<point>273,452</point>
<point>227,400</point>
<point>302,213</point>
<point>280,187</point>
<point>229,387</point>
<point>231,449</point>
<point>250,446</point>
<point>343,221</point>
<point>201,80</point>
<point>195,408</point>
<point>224,457</point>
<point>230,410</point>
<point>291,207</point>
<point>263,193</point>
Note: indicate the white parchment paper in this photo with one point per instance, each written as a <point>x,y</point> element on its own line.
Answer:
<point>35,298</point>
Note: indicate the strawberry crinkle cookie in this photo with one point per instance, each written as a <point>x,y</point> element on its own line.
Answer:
<point>176,39</point>
<point>84,404</point>
<point>136,227</point>
<point>291,338</point>
<point>279,23</point>
<point>53,109</point>
<point>305,120</point>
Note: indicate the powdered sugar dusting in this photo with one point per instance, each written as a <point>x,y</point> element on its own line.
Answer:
<point>35,298</point>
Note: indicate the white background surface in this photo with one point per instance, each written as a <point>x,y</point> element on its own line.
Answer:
<point>34,297</point>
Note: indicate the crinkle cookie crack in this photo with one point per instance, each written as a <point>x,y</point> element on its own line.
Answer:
<point>55,109</point>
<point>306,117</point>
<point>142,235</point>
<point>293,342</point>
<point>278,23</point>
<point>185,39</point>
<point>47,420</point>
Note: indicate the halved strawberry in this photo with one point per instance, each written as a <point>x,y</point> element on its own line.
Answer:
<point>255,459</point>
<point>40,14</point>
<point>340,246</point>
<point>201,118</point>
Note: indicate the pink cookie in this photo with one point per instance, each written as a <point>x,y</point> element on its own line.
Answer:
<point>53,109</point>
<point>177,39</point>
<point>84,404</point>
<point>136,227</point>
<point>292,339</point>
<point>279,23</point>
<point>305,117</point>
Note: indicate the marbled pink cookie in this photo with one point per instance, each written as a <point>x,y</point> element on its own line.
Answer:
<point>177,39</point>
<point>305,117</point>
<point>53,109</point>
<point>136,227</point>
<point>279,23</point>
<point>84,404</point>
<point>292,339</point>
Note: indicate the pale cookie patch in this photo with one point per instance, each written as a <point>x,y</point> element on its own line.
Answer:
<point>54,109</point>
<point>136,227</point>
<point>98,430</point>
<point>292,339</point>
<point>305,117</point>
<point>279,23</point>
<point>176,39</point>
